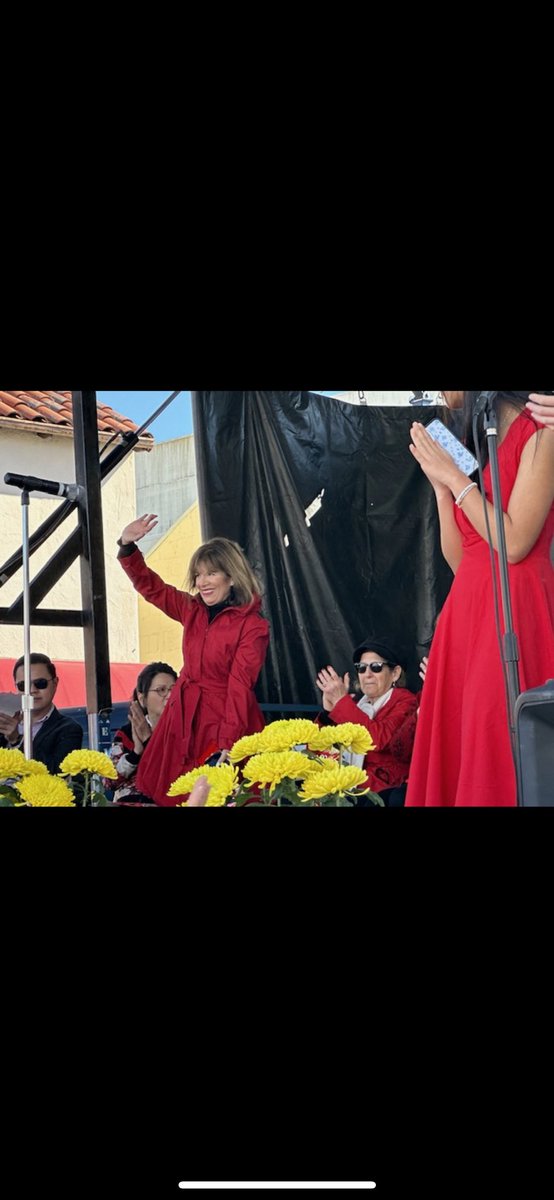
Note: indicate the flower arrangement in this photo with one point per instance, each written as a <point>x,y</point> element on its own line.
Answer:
<point>26,783</point>
<point>290,762</point>
<point>85,770</point>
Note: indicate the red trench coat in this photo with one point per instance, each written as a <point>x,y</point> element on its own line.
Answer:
<point>213,702</point>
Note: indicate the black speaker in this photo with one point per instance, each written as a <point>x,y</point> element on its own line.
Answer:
<point>534,716</point>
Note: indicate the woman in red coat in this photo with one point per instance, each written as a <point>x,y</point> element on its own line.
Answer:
<point>225,641</point>
<point>386,709</point>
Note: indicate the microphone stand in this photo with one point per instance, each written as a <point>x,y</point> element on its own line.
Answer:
<point>509,641</point>
<point>27,699</point>
<point>30,483</point>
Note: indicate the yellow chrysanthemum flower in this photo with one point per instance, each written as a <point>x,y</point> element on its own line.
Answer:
<point>32,767</point>
<point>359,743</point>
<point>295,732</point>
<point>223,781</point>
<point>354,737</point>
<point>278,735</point>
<point>12,762</point>
<point>45,792</point>
<point>324,738</point>
<point>88,760</point>
<point>246,746</point>
<point>284,735</point>
<point>332,781</point>
<point>270,768</point>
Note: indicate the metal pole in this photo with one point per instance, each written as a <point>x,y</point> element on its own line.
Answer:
<point>93,730</point>
<point>28,699</point>
<point>509,641</point>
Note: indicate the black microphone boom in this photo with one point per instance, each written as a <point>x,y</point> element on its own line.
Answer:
<point>30,483</point>
<point>482,402</point>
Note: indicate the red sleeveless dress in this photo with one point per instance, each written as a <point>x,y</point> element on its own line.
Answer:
<point>462,754</point>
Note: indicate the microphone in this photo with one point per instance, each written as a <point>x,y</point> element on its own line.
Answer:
<point>483,401</point>
<point>30,483</point>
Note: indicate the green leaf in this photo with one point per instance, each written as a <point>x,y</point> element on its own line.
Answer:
<point>375,799</point>
<point>99,800</point>
<point>9,793</point>
<point>287,790</point>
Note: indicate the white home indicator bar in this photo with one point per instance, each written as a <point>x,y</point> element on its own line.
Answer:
<point>236,1186</point>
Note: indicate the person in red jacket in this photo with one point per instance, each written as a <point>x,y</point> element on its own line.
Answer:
<point>225,640</point>
<point>387,710</point>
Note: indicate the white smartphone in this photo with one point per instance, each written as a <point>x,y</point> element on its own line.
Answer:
<point>462,457</point>
<point>10,703</point>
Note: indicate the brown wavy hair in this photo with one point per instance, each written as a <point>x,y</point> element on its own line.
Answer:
<point>221,554</point>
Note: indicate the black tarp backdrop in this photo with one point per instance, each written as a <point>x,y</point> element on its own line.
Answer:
<point>370,561</point>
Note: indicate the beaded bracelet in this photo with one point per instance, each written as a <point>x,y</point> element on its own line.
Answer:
<point>464,493</point>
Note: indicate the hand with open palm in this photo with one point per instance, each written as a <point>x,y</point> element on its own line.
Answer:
<point>139,528</point>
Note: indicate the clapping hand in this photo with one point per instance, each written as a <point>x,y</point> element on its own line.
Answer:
<point>435,462</point>
<point>139,528</point>
<point>8,725</point>
<point>140,727</point>
<point>333,687</point>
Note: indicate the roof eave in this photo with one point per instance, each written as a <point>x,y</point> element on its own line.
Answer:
<point>45,429</point>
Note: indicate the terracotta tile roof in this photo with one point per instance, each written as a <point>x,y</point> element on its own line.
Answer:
<point>55,409</point>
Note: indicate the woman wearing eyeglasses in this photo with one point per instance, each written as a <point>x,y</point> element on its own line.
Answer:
<point>386,709</point>
<point>225,640</point>
<point>150,697</point>
<point>462,753</point>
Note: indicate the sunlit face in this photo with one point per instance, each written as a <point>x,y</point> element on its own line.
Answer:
<point>214,586</point>
<point>43,697</point>
<point>373,686</point>
<point>453,399</point>
<point>155,699</point>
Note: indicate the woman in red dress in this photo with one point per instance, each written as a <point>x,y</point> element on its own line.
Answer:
<point>462,753</point>
<point>225,641</point>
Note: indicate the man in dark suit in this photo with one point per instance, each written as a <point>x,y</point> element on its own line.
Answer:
<point>53,734</point>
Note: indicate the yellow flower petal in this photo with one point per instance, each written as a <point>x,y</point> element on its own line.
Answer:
<point>78,761</point>
<point>45,792</point>
<point>332,781</point>
<point>271,768</point>
<point>223,780</point>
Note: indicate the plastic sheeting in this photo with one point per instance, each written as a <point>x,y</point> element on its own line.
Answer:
<point>369,561</point>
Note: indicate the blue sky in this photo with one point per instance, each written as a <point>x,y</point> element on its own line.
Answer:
<point>175,422</point>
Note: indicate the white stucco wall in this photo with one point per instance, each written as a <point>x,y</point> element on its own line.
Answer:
<point>52,458</point>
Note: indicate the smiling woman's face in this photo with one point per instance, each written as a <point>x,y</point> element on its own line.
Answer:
<point>214,586</point>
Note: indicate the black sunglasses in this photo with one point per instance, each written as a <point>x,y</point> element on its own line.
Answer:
<point>376,667</point>
<point>41,684</point>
